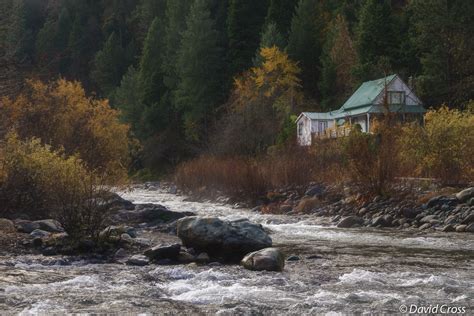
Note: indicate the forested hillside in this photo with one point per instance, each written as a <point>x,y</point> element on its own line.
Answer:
<point>226,75</point>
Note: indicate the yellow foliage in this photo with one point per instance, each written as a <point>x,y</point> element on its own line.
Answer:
<point>276,81</point>
<point>444,147</point>
<point>61,115</point>
<point>41,182</point>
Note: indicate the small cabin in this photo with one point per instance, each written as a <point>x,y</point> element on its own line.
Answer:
<point>361,108</point>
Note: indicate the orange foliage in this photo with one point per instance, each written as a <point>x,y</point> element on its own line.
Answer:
<point>61,115</point>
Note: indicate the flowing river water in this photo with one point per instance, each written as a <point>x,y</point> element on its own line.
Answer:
<point>340,271</point>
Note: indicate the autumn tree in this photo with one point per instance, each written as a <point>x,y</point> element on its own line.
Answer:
<point>261,103</point>
<point>61,115</point>
<point>270,37</point>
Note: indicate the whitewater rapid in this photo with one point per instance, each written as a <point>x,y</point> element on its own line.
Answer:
<point>340,271</point>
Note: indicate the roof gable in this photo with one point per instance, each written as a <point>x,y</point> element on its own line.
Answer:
<point>367,93</point>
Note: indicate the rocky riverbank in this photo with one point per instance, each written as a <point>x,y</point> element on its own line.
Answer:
<point>174,238</point>
<point>410,208</point>
<point>183,238</point>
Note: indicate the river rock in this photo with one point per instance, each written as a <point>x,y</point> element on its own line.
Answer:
<point>465,195</point>
<point>185,257</point>
<point>126,238</point>
<point>6,226</point>
<point>470,228</point>
<point>50,225</point>
<point>429,219</point>
<point>163,252</point>
<point>469,219</point>
<point>362,211</point>
<point>38,233</point>
<point>203,258</point>
<point>350,221</point>
<point>293,258</point>
<point>114,232</point>
<point>115,201</point>
<point>461,228</point>
<point>25,226</point>
<point>138,260</point>
<point>382,221</point>
<point>315,190</point>
<point>448,229</point>
<point>230,240</point>
<point>425,226</point>
<point>409,212</point>
<point>149,213</point>
<point>269,259</point>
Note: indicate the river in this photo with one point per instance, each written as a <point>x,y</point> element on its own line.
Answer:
<point>340,271</point>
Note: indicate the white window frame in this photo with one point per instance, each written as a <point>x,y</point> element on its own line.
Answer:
<point>401,97</point>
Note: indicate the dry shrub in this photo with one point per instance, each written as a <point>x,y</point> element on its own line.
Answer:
<point>232,176</point>
<point>373,158</point>
<point>40,182</point>
<point>291,166</point>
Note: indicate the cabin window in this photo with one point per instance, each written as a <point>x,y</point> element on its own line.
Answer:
<point>300,129</point>
<point>396,97</point>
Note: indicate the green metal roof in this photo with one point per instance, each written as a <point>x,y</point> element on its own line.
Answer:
<point>367,93</point>
<point>362,102</point>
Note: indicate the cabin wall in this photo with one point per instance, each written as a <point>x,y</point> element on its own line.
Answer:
<point>304,131</point>
<point>398,85</point>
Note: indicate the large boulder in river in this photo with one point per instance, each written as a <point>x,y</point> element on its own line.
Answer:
<point>269,259</point>
<point>350,221</point>
<point>229,240</point>
<point>465,195</point>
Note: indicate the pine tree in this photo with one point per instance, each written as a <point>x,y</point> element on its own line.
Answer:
<point>145,12</point>
<point>442,33</point>
<point>338,59</point>
<point>23,23</point>
<point>199,68</point>
<point>110,64</point>
<point>376,39</point>
<point>305,43</point>
<point>281,12</point>
<point>127,99</point>
<point>52,43</point>
<point>244,24</point>
<point>176,12</point>
<point>270,37</point>
<point>151,74</point>
<point>153,93</point>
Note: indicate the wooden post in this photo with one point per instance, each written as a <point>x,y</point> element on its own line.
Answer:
<point>368,123</point>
